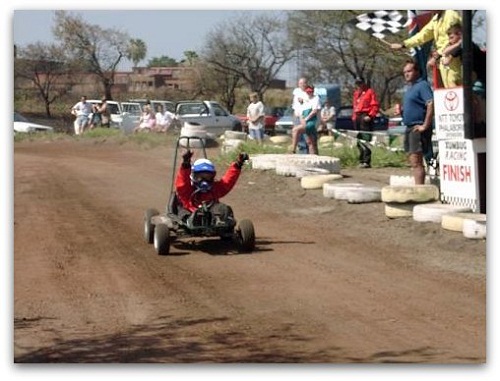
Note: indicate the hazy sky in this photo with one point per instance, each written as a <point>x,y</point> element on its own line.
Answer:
<point>165,32</point>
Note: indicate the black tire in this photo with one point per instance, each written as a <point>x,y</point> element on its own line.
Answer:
<point>161,239</point>
<point>245,236</point>
<point>149,228</point>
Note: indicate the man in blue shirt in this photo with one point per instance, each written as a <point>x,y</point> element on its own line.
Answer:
<point>418,112</point>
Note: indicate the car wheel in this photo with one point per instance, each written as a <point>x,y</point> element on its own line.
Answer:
<point>149,228</point>
<point>162,239</point>
<point>245,236</point>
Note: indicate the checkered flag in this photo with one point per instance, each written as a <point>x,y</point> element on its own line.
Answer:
<point>379,23</point>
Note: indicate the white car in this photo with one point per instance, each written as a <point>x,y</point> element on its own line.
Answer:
<point>22,124</point>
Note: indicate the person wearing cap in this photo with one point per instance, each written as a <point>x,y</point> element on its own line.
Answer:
<point>308,121</point>
<point>364,110</point>
<point>195,184</point>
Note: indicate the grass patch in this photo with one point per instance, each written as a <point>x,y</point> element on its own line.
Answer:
<point>349,156</point>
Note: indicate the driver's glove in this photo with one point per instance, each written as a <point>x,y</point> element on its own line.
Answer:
<point>186,159</point>
<point>242,157</point>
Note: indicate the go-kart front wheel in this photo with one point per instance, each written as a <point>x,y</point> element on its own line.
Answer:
<point>245,236</point>
<point>161,239</point>
<point>149,228</point>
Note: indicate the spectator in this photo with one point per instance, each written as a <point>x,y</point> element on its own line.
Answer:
<point>452,55</point>
<point>308,120</point>
<point>100,114</point>
<point>328,114</point>
<point>82,111</point>
<point>147,122</point>
<point>256,115</point>
<point>364,110</point>
<point>164,119</point>
<point>436,30</point>
<point>299,96</point>
<point>418,112</point>
<point>196,184</point>
<point>159,116</point>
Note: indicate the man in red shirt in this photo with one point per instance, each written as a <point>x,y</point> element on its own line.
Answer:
<point>365,109</point>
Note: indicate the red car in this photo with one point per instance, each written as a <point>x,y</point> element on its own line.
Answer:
<point>272,114</point>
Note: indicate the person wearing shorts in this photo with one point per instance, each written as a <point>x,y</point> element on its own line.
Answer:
<point>311,109</point>
<point>256,115</point>
<point>418,112</point>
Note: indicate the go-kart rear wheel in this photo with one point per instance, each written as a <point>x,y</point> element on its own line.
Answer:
<point>245,236</point>
<point>149,228</point>
<point>161,239</point>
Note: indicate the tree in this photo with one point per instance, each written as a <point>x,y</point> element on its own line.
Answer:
<point>163,61</point>
<point>331,49</point>
<point>252,48</point>
<point>191,57</point>
<point>97,50</point>
<point>45,65</point>
<point>136,50</point>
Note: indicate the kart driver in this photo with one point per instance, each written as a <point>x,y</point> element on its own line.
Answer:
<point>196,184</point>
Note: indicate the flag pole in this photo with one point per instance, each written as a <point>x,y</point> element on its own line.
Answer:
<point>385,42</point>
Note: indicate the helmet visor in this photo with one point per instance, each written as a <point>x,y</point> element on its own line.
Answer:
<point>203,176</point>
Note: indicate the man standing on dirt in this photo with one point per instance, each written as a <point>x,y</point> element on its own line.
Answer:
<point>364,110</point>
<point>82,111</point>
<point>418,112</point>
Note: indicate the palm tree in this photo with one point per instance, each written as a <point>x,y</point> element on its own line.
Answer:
<point>136,51</point>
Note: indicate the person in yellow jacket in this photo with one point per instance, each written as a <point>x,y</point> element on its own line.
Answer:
<point>437,30</point>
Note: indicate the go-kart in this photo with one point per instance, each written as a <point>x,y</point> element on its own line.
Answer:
<point>162,229</point>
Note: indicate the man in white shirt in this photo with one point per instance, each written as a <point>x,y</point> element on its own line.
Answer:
<point>82,111</point>
<point>299,97</point>
<point>163,119</point>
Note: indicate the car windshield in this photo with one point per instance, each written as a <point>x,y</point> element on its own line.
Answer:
<point>19,118</point>
<point>288,112</point>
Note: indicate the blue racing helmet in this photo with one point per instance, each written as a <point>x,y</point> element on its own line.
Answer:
<point>203,165</point>
<point>202,174</point>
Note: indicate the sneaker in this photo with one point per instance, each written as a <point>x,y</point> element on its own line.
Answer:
<point>364,165</point>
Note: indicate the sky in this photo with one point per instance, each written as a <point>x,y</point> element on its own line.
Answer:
<point>165,32</point>
<point>171,33</point>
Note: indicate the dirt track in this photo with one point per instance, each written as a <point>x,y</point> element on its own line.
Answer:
<point>329,282</point>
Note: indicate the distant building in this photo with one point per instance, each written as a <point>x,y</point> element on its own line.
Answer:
<point>139,80</point>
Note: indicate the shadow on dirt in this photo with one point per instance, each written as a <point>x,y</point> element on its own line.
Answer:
<point>179,341</point>
<point>222,247</point>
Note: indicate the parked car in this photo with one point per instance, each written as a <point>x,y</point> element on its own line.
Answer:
<point>210,114</point>
<point>23,124</point>
<point>272,114</point>
<point>395,126</point>
<point>344,120</point>
<point>167,105</point>
<point>284,124</point>
<point>124,115</point>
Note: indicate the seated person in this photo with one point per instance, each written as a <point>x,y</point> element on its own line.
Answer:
<point>147,122</point>
<point>196,184</point>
